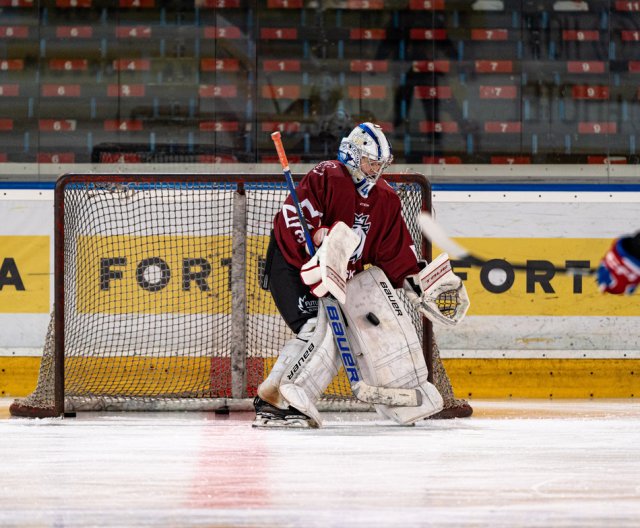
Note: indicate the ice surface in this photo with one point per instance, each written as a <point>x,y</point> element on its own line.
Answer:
<point>514,463</point>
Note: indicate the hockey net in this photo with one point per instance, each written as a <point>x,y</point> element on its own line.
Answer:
<point>158,298</point>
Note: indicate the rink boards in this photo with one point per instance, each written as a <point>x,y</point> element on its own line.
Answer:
<point>524,336</point>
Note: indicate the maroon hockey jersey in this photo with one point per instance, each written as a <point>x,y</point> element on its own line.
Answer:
<point>327,195</point>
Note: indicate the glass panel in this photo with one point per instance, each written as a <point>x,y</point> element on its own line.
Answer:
<point>450,81</point>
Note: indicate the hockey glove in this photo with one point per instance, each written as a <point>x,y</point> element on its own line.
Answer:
<point>438,293</point>
<point>619,270</point>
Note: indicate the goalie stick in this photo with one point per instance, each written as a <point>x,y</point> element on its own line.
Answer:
<point>361,390</point>
<point>436,234</point>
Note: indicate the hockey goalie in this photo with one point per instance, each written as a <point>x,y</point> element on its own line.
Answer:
<point>355,220</point>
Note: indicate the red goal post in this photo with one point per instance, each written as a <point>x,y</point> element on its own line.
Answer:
<point>158,303</point>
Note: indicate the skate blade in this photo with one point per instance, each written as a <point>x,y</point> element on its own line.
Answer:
<point>268,423</point>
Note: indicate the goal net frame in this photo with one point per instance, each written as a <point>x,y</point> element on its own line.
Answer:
<point>52,376</point>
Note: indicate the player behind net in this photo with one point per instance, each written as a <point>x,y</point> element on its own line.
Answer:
<point>354,219</point>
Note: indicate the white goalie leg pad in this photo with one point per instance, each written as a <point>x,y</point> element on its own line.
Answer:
<point>304,382</point>
<point>388,350</point>
<point>293,352</point>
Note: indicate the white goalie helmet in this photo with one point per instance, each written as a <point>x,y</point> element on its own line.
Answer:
<point>366,153</point>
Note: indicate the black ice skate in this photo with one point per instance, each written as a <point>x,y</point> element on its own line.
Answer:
<point>268,415</point>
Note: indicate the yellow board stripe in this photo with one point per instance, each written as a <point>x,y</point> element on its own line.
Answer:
<point>18,375</point>
<point>544,378</point>
<point>471,378</point>
<point>145,376</point>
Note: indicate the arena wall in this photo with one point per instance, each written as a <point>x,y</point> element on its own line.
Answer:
<point>525,336</point>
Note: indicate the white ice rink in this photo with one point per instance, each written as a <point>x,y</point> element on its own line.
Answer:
<point>514,463</point>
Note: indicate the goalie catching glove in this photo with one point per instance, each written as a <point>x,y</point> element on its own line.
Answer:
<point>438,293</point>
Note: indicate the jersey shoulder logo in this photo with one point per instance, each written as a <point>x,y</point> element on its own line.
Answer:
<point>322,167</point>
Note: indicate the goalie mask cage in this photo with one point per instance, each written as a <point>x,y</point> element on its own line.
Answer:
<point>158,298</point>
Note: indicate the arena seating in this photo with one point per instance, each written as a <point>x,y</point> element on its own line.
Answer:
<point>486,81</point>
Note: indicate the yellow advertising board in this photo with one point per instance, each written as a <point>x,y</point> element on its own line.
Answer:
<point>496,289</point>
<point>24,274</point>
<point>165,274</point>
<point>153,274</point>
<point>190,274</point>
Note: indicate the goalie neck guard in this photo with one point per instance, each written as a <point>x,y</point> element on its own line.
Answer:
<point>366,153</point>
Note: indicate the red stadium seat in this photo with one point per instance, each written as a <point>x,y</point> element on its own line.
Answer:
<point>367,92</point>
<point>68,65</point>
<point>57,125</point>
<point>432,92</point>
<point>494,66</point>
<point>282,65</point>
<point>131,65</point>
<point>60,90</point>
<point>586,67</point>
<point>9,90</point>
<point>590,92</point>
<point>439,127</point>
<point>442,160</point>
<point>219,126</point>
<point>285,4</point>
<point>11,64</point>
<point>498,92</point>
<point>125,90</point>
<point>279,33</point>
<point>75,32</point>
<point>219,65</point>
<point>56,157</point>
<point>137,32</point>
<point>281,91</point>
<point>503,127</point>
<point>369,66</point>
<point>597,128</point>
<point>220,4</point>
<point>222,32</point>
<point>123,125</point>
<point>426,5</point>
<point>14,32</point>
<point>73,4</point>
<point>137,4</point>
<point>222,91</point>
<point>286,127</point>
<point>510,160</point>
